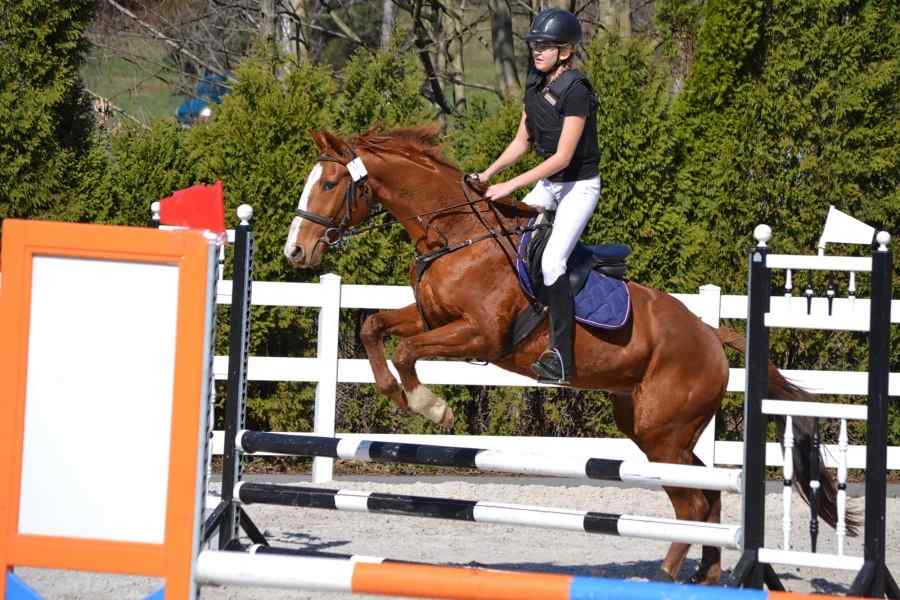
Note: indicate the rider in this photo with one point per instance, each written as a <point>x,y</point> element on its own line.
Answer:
<point>559,120</point>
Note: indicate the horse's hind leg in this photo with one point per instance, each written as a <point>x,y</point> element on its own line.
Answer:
<point>666,434</point>
<point>401,322</point>
<point>710,569</point>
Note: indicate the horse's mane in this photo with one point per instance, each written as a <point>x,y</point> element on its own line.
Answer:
<point>421,140</point>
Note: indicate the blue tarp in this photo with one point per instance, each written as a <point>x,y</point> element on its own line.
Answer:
<point>208,91</point>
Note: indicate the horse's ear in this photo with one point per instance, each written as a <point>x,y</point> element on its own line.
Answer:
<point>318,139</point>
<point>335,144</point>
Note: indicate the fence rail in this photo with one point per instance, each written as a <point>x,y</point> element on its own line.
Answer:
<point>327,370</point>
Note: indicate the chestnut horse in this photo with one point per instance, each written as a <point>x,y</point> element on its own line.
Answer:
<point>665,371</point>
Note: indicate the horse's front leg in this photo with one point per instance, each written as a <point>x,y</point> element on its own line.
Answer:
<point>401,322</point>
<point>459,339</point>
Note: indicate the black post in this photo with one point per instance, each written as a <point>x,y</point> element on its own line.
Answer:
<point>153,221</point>
<point>238,349</point>
<point>749,572</point>
<point>874,579</point>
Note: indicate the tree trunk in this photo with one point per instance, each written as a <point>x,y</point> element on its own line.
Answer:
<point>615,16</point>
<point>459,68</point>
<point>438,37</point>
<point>568,5</point>
<point>267,27</point>
<point>300,39</point>
<point>502,44</point>
<point>286,35</point>
<point>431,89</point>
<point>387,22</point>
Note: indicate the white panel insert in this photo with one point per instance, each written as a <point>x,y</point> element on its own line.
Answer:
<point>122,315</point>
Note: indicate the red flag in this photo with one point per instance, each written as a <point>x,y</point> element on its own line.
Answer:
<point>197,207</point>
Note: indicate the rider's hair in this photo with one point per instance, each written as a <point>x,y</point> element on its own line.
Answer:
<point>564,65</point>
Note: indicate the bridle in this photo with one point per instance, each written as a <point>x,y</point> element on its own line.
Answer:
<point>336,232</point>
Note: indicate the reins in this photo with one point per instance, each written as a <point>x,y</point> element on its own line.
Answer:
<point>338,232</point>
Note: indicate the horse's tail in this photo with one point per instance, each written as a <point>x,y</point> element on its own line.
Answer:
<point>804,427</point>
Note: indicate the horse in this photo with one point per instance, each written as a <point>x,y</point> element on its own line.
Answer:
<point>665,371</point>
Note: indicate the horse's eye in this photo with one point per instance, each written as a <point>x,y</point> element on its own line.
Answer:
<point>328,185</point>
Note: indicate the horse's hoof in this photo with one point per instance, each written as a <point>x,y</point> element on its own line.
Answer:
<point>706,576</point>
<point>430,405</point>
<point>662,576</point>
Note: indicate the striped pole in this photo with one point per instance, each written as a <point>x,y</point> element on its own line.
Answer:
<point>458,583</point>
<point>651,528</point>
<point>283,551</point>
<point>645,474</point>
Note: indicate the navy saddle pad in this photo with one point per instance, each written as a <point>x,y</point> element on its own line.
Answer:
<point>602,301</point>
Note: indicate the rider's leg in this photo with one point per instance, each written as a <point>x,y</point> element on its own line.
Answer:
<point>555,364</point>
<point>576,205</point>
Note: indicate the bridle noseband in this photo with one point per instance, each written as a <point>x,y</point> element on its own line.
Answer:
<point>336,232</point>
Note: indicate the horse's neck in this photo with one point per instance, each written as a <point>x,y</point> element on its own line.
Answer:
<point>437,196</point>
<point>429,201</point>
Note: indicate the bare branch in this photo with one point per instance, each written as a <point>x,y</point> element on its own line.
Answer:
<point>526,6</point>
<point>347,31</point>
<point>109,103</point>
<point>422,44</point>
<point>311,25</point>
<point>477,86</point>
<point>165,38</point>
<point>137,60</point>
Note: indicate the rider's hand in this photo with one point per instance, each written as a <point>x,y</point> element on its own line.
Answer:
<point>499,190</point>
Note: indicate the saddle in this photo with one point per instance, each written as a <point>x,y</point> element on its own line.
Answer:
<point>596,277</point>
<point>608,259</point>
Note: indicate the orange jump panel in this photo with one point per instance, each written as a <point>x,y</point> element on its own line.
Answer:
<point>23,243</point>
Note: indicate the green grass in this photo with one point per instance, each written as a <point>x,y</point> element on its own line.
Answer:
<point>133,89</point>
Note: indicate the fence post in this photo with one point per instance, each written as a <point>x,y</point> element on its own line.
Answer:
<point>327,354</point>
<point>711,295</point>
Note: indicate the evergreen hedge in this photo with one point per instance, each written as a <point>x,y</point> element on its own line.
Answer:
<point>749,111</point>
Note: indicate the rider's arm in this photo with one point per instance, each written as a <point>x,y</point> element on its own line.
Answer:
<point>514,151</point>
<point>556,162</point>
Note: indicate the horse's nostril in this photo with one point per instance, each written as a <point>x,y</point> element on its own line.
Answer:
<point>297,254</point>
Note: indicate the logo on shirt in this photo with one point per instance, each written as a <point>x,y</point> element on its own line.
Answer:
<point>549,98</point>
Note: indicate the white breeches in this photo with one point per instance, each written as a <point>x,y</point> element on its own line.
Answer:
<point>574,202</point>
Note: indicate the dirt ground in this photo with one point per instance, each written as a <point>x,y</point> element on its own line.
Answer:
<point>492,546</point>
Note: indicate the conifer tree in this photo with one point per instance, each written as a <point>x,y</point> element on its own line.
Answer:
<point>45,118</point>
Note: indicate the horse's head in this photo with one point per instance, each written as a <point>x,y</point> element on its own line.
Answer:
<point>335,198</point>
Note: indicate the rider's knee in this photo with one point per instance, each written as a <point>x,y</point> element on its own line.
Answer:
<point>552,268</point>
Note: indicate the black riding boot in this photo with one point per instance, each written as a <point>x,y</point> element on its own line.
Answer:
<point>555,364</point>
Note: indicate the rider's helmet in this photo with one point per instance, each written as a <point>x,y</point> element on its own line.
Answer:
<point>554,25</point>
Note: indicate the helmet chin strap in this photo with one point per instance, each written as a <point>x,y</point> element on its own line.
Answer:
<point>558,65</point>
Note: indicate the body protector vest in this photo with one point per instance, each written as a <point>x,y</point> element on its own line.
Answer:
<point>544,118</point>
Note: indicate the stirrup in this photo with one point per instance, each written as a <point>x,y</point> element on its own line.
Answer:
<point>549,368</point>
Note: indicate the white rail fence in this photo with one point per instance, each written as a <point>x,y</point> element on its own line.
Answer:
<point>327,370</point>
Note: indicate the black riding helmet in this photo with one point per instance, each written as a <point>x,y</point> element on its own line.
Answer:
<point>555,25</point>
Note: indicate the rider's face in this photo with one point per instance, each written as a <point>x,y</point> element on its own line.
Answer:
<point>546,56</point>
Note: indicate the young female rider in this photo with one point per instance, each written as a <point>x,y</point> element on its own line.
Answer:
<point>559,120</point>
